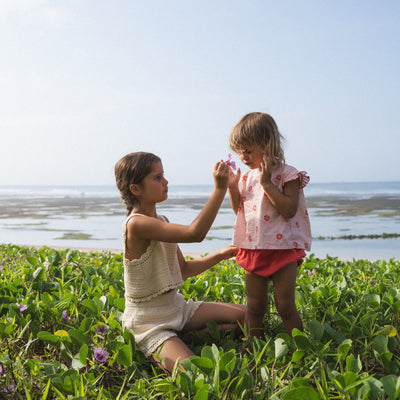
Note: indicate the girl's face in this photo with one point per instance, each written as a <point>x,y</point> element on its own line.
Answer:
<point>154,187</point>
<point>252,157</point>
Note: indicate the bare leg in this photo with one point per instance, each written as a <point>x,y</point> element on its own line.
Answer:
<point>284,282</point>
<point>174,348</point>
<point>226,314</point>
<point>170,351</point>
<point>257,301</point>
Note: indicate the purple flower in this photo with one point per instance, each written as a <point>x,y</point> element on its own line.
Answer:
<point>311,272</point>
<point>10,388</point>
<point>100,354</point>
<point>22,307</point>
<point>65,316</point>
<point>101,329</point>
<point>3,371</point>
<point>1,267</point>
<point>230,162</point>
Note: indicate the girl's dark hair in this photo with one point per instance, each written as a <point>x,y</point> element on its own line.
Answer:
<point>132,169</point>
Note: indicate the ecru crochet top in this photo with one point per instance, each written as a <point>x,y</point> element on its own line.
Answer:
<point>157,271</point>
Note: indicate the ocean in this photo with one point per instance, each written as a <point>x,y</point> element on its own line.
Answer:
<point>348,220</point>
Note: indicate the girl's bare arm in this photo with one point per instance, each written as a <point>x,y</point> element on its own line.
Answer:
<point>149,228</point>
<point>285,202</point>
<point>195,267</point>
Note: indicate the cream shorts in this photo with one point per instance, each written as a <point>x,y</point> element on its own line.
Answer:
<point>155,321</point>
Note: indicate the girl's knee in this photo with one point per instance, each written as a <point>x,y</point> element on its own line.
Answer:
<point>257,306</point>
<point>287,310</point>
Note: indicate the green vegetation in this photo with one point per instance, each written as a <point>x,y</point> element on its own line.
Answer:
<point>61,335</point>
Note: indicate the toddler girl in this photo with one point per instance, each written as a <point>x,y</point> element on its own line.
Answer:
<point>272,227</point>
<point>154,265</point>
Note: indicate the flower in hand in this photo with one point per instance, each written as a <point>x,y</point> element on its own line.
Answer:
<point>230,162</point>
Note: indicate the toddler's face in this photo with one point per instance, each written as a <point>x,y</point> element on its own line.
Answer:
<point>252,157</point>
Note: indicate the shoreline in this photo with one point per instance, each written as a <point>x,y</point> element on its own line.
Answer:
<point>343,254</point>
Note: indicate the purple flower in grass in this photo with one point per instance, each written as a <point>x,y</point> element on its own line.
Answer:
<point>230,162</point>
<point>10,388</point>
<point>101,329</point>
<point>100,354</point>
<point>1,267</point>
<point>311,272</point>
<point>22,307</point>
<point>65,316</point>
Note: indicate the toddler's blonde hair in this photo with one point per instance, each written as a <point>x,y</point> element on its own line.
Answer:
<point>258,129</point>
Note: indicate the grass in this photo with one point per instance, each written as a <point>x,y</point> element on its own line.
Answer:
<point>61,334</point>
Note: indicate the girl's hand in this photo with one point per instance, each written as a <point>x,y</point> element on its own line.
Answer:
<point>234,179</point>
<point>265,172</point>
<point>229,252</point>
<point>221,175</point>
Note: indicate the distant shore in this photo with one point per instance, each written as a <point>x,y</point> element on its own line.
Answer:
<point>348,221</point>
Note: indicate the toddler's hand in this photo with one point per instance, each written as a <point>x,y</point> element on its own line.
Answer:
<point>229,252</point>
<point>234,179</point>
<point>221,175</point>
<point>265,171</point>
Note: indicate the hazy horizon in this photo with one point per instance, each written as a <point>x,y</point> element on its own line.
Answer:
<point>86,82</point>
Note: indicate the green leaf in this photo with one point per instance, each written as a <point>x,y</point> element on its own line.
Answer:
<point>344,348</point>
<point>78,337</point>
<point>316,329</point>
<point>185,383</point>
<point>37,274</point>
<point>210,352</point>
<point>353,364</point>
<point>130,339</point>
<point>301,340</point>
<point>202,392</point>
<point>214,330</point>
<point>372,299</point>
<point>71,255</point>
<point>32,260</point>
<point>77,364</point>
<point>391,386</point>
<point>91,306</point>
<point>246,382</point>
<point>203,363</point>
<point>120,303</point>
<point>55,261</point>
<point>83,352</point>
<point>302,392</point>
<point>380,344</point>
<point>297,356</point>
<point>48,337</point>
<point>124,356</point>
<point>281,348</point>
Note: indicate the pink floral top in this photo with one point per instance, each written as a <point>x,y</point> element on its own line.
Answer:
<point>258,223</point>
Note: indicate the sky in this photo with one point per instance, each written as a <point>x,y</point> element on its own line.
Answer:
<point>84,82</point>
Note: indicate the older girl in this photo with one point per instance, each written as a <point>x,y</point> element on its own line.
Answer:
<point>154,266</point>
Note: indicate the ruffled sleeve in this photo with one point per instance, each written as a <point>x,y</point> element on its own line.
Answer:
<point>304,179</point>
<point>292,174</point>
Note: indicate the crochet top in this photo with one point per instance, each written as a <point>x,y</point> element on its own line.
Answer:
<point>157,271</point>
<point>259,225</point>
